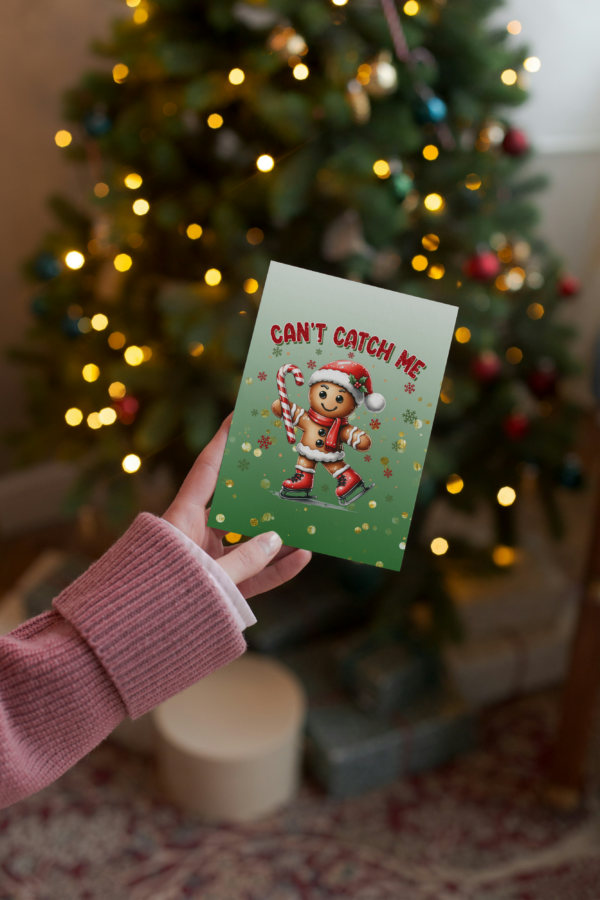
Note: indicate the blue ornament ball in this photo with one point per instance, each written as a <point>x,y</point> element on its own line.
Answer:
<point>433,110</point>
<point>97,123</point>
<point>47,266</point>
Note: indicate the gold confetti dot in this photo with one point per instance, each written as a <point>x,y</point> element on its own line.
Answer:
<point>357,529</point>
<point>258,452</point>
<point>402,546</point>
<point>265,483</point>
<point>416,465</point>
<point>402,445</point>
<point>395,520</point>
<point>311,529</point>
<point>249,380</point>
<point>229,482</point>
<point>405,515</point>
<point>277,423</point>
<point>419,399</point>
<point>427,422</point>
<point>379,565</point>
<point>234,496</point>
<point>246,447</point>
<point>264,413</point>
<point>388,530</point>
<point>400,434</point>
<point>384,460</point>
<point>418,424</point>
<point>365,526</point>
<point>220,517</point>
<point>429,404</point>
<point>254,521</point>
<point>372,504</point>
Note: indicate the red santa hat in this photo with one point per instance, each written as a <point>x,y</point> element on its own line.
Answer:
<point>355,378</point>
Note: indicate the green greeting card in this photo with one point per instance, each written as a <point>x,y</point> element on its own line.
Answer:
<point>333,418</point>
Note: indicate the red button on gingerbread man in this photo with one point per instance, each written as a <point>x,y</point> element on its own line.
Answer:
<point>335,391</point>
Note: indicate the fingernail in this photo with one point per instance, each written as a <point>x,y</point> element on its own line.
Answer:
<point>270,541</point>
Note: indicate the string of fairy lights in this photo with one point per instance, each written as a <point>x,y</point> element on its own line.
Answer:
<point>380,75</point>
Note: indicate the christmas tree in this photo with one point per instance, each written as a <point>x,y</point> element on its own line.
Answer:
<point>352,137</point>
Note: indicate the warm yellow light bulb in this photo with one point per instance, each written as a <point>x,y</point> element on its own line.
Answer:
<point>117,390</point>
<point>74,259</point>
<point>140,207</point>
<point>411,7</point>
<point>140,16</point>
<point>133,181</point>
<point>73,416</point>
<point>214,120</point>
<point>134,356</point>
<point>63,138</point>
<point>381,168</point>
<point>93,421</point>
<point>251,285</point>
<point>131,463</point>
<point>91,372</point>
<point>212,277</point>
<point>99,322</point>
<point>194,231</point>
<point>300,71</point>
<point>514,27</point>
<point>433,202</point>
<point>509,76</point>
<point>455,484</point>
<point>532,64</point>
<point>122,262</point>
<point>339,2</point>
<point>419,262</point>
<point>503,556</point>
<point>439,546</point>
<point>506,496</point>
<point>265,163</point>
<point>236,76</point>
<point>462,335</point>
<point>437,271</point>
<point>107,415</point>
<point>431,152</point>
<point>120,72</point>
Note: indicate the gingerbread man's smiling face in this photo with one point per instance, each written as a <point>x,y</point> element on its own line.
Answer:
<point>331,400</point>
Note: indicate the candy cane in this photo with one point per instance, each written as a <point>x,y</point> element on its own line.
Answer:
<point>285,403</point>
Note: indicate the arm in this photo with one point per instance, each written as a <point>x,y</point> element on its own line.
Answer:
<point>355,438</point>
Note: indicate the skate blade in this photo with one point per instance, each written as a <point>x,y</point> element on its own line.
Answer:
<point>344,501</point>
<point>295,496</point>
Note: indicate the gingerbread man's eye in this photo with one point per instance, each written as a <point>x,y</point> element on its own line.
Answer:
<point>322,394</point>
<point>339,399</point>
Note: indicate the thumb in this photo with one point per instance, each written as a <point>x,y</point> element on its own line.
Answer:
<point>251,557</point>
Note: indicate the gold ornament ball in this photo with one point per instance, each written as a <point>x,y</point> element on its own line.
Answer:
<point>254,521</point>
<point>220,517</point>
<point>379,565</point>
<point>384,460</point>
<point>229,483</point>
<point>357,529</point>
<point>265,483</point>
<point>311,529</point>
<point>258,452</point>
<point>417,466</point>
<point>372,504</point>
<point>249,380</point>
<point>365,526</point>
<point>246,447</point>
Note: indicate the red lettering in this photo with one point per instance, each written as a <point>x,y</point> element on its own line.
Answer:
<point>363,335</point>
<point>371,349</point>
<point>321,327</point>
<point>288,333</point>
<point>274,329</point>
<point>385,351</point>
<point>302,333</point>
<point>415,369</point>
<point>404,361</point>
<point>338,338</point>
<point>351,339</point>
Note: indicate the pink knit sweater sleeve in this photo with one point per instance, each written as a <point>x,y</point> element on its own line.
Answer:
<point>142,624</point>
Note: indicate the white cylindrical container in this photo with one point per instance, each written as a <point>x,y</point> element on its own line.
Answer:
<point>229,746</point>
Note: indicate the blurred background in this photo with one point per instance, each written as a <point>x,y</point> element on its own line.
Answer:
<point>430,728</point>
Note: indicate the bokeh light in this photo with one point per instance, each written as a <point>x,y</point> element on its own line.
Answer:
<point>514,355</point>
<point>133,181</point>
<point>194,231</point>
<point>431,242</point>
<point>90,372</point>
<point>134,356</point>
<point>251,285</point>
<point>462,335</point>
<point>122,262</point>
<point>514,27</point>
<point>506,496</point>
<point>214,120</point>
<point>419,262</point>
<point>117,390</point>
<point>433,202</point>
<point>140,207</point>
<point>107,415</point>
<point>236,76</point>
<point>532,64</point>
<point>255,236</point>
<point>116,340</point>
<point>300,71</point>
<point>439,546</point>
<point>411,7</point>
<point>99,322</point>
<point>74,259</point>
<point>73,416</point>
<point>503,555</point>
<point>212,277</point>
<point>131,463</point>
<point>381,168</point>
<point>63,138</point>
<point>120,72</point>
<point>455,484</point>
<point>265,163</point>
<point>93,421</point>
<point>431,152</point>
<point>509,76</point>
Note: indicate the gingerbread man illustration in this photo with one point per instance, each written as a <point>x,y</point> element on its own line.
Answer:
<point>335,391</point>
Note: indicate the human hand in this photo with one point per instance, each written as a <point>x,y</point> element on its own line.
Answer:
<point>246,564</point>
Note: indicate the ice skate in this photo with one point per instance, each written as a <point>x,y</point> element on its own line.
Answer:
<point>350,486</point>
<point>299,486</point>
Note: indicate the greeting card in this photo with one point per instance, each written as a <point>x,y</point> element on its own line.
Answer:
<point>333,418</point>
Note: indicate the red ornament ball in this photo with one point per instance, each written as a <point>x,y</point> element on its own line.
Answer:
<point>542,382</point>
<point>516,426</point>
<point>483,266</point>
<point>568,286</point>
<point>515,142</point>
<point>487,366</point>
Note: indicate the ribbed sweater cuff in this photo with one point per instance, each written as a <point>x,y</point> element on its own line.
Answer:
<point>152,615</point>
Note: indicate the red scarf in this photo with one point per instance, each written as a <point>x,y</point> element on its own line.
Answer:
<point>333,425</point>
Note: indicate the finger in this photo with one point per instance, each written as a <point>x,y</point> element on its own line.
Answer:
<point>281,570</point>
<point>187,509</point>
<point>285,551</point>
<point>250,558</point>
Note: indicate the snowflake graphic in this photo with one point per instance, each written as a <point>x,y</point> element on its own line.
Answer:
<point>388,498</point>
<point>388,472</point>
<point>254,412</point>
<point>375,424</point>
<point>318,351</point>
<point>409,388</point>
<point>351,356</point>
<point>409,416</point>
<point>243,464</point>
<point>324,488</point>
<point>277,351</point>
<point>262,376</point>
<point>368,457</point>
<point>265,442</point>
<point>311,364</point>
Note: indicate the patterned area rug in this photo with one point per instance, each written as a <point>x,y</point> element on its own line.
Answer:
<point>473,830</point>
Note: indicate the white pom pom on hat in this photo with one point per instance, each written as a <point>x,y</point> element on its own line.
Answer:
<point>375,402</point>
